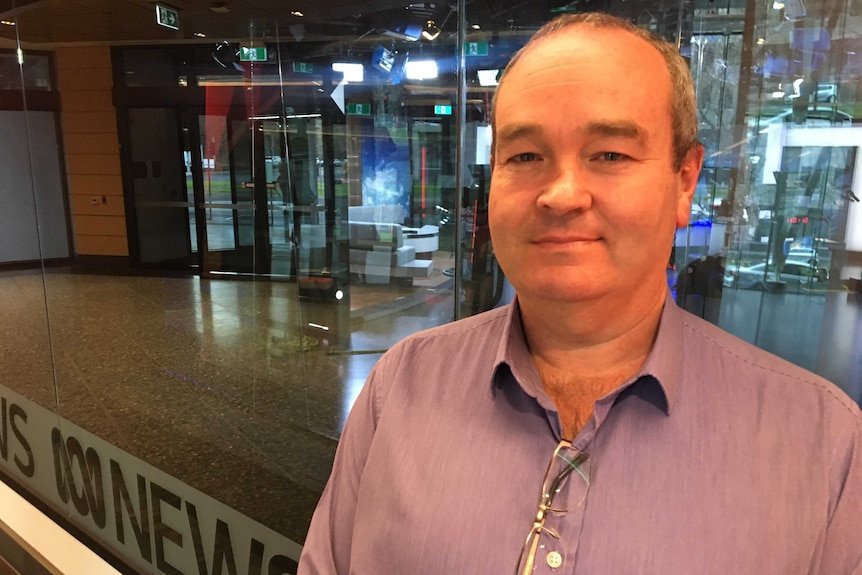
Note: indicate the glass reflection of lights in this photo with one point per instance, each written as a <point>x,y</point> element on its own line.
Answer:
<point>421,69</point>
<point>488,77</point>
<point>353,72</point>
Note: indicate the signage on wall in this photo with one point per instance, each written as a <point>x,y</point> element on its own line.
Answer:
<point>167,17</point>
<point>358,109</point>
<point>303,68</point>
<point>252,54</point>
<point>476,48</point>
<point>152,520</point>
<point>444,110</point>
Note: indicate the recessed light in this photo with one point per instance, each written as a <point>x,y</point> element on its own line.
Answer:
<point>200,35</point>
<point>476,27</point>
<point>297,13</point>
<point>7,22</point>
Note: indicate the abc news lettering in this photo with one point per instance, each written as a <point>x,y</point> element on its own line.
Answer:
<point>153,521</point>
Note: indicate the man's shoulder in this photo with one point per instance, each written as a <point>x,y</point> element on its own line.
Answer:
<point>474,329</point>
<point>466,344</point>
<point>740,364</point>
<point>429,360</point>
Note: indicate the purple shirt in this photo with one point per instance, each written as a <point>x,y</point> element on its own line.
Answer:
<point>716,458</point>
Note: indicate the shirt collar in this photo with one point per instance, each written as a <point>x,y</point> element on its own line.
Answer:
<point>658,379</point>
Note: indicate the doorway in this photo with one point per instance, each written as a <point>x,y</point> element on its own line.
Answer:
<point>223,191</point>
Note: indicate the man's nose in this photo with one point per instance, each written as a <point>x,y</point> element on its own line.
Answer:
<point>566,190</point>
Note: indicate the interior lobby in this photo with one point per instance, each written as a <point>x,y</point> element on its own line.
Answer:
<point>216,216</point>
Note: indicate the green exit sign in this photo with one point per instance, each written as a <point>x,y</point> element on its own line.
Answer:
<point>252,54</point>
<point>359,109</point>
<point>443,110</point>
<point>167,17</point>
<point>303,68</point>
<point>476,48</point>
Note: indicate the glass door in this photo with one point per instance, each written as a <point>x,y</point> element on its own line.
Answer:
<point>161,194</point>
<point>236,177</point>
<point>261,192</point>
<point>197,179</point>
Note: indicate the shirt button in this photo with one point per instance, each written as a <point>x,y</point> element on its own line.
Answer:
<point>554,559</point>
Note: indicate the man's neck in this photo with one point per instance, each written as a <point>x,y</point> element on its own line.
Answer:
<point>592,337</point>
<point>583,351</point>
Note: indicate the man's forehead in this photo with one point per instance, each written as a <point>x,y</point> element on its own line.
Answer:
<point>571,41</point>
<point>553,59</point>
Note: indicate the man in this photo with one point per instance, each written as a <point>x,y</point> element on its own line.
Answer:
<point>675,448</point>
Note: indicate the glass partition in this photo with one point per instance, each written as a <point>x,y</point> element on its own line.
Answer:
<point>220,228</point>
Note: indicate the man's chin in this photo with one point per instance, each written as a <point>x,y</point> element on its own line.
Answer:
<point>555,290</point>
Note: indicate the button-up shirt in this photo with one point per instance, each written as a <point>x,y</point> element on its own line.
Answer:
<point>716,457</point>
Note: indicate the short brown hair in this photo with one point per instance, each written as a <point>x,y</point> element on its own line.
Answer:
<point>683,105</point>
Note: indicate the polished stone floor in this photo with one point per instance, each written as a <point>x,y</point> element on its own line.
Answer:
<point>225,385</point>
<point>211,381</point>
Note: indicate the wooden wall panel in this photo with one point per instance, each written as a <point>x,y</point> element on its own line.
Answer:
<point>100,164</point>
<point>84,58</point>
<point>91,144</point>
<point>84,81</point>
<point>96,184</point>
<point>100,226</point>
<point>96,205</point>
<point>90,122</point>
<point>87,100</point>
<point>85,143</point>
<point>101,245</point>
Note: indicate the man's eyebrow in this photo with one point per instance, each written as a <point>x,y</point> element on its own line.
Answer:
<point>511,132</point>
<point>623,129</point>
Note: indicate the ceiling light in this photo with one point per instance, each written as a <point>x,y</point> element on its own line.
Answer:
<point>7,22</point>
<point>353,72</point>
<point>298,13</point>
<point>421,69</point>
<point>488,77</point>
<point>200,35</point>
<point>476,27</point>
<point>431,30</point>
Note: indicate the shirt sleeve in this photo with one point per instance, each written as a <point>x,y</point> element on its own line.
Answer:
<point>328,544</point>
<point>842,549</point>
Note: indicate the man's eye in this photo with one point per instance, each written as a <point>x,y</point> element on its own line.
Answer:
<point>525,157</point>
<point>612,157</point>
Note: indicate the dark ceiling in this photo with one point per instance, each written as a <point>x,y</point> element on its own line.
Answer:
<point>63,22</point>
<point>325,26</point>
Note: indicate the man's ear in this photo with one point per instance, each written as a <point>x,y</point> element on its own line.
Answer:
<point>689,172</point>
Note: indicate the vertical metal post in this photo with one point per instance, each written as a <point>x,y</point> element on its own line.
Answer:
<point>461,119</point>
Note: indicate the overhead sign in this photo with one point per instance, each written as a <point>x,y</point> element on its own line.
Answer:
<point>252,54</point>
<point>476,48</point>
<point>167,17</point>
<point>303,68</point>
<point>445,110</point>
<point>358,109</point>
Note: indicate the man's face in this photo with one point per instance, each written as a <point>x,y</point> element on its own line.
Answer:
<point>584,198</point>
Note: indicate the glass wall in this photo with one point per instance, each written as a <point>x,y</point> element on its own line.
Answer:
<point>261,201</point>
